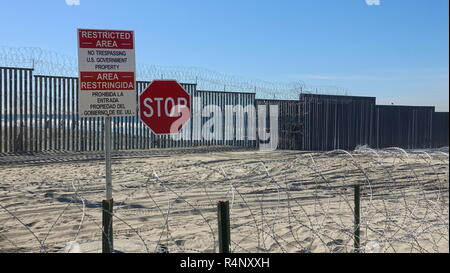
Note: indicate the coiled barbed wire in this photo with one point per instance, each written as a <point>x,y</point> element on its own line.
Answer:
<point>280,201</point>
<point>46,62</point>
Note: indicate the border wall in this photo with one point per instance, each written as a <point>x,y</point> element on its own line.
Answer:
<point>337,122</point>
<point>39,113</point>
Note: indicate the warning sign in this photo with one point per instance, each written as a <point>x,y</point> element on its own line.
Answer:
<point>106,64</point>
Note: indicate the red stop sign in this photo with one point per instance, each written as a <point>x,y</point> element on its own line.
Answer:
<point>164,106</point>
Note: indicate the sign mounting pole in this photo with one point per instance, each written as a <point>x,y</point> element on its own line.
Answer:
<point>108,158</point>
<point>107,205</point>
<point>107,88</point>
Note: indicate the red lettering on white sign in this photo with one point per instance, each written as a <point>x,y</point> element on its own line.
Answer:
<point>89,38</point>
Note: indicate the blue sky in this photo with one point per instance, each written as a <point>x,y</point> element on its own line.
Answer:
<point>397,51</point>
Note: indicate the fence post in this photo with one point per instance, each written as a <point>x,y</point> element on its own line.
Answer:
<point>107,234</point>
<point>357,218</point>
<point>223,213</point>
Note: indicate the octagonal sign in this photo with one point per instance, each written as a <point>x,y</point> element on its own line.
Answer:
<point>164,107</point>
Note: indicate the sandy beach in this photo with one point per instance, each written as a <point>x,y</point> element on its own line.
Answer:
<point>281,201</point>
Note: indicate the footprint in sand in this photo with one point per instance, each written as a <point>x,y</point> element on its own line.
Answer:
<point>31,224</point>
<point>179,242</point>
<point>304,250</point>
<point>144,218</point>
<point>337,242</point>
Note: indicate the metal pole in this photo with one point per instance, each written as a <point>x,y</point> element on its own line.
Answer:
<point>357,218</point>
<point>223,213</point>
<point>108,157</point>
<point>107,220</point>
<point>107,205</point>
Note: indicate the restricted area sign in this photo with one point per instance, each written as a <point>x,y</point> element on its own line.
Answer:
<point>106,64</point>
<point>164,107</point>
